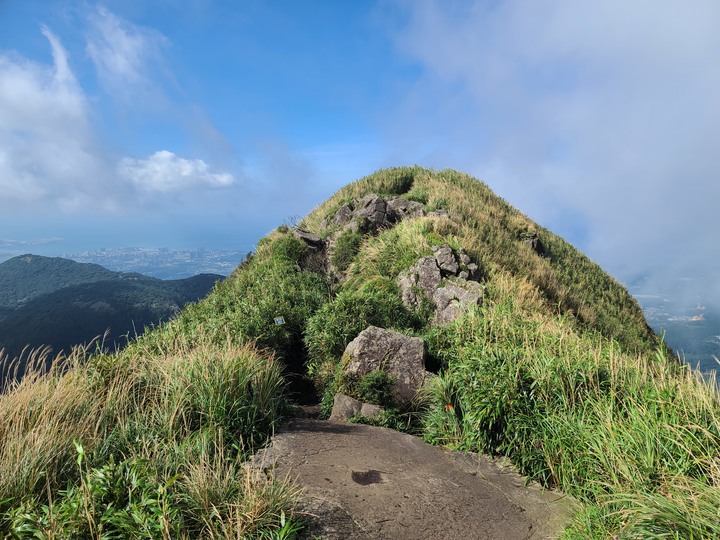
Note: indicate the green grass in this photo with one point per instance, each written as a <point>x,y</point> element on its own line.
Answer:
<point>633,438</point>
<point>167,423</point>
<point>556,370</point>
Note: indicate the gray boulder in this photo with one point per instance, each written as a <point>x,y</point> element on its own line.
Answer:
<point>372,214</point>
<point>446,260</point>
<point>424,276</point>
<point>311,239</point>
<point>456,298</point>
<point>406,209</point>
<point>345,407</point>
<point>343,216</point>
<point>533,240</point>
<point>402,357</point>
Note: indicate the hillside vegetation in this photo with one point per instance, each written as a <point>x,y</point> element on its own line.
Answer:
<point>556,369</point>
<point>58,303</point>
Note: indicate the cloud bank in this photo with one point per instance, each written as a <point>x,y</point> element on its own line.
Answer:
<point>601,117</point>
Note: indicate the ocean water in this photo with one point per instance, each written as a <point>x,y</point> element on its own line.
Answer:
<point>691,329</point>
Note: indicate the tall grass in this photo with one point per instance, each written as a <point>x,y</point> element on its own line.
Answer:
<point>179,423</point>
<point>164,426</point>
<point>635,438</point>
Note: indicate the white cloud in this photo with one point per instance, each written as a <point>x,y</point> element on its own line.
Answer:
<point>164,172</point>
<point>47,148</point>
<point>607,110</point>
<point>124,54</point>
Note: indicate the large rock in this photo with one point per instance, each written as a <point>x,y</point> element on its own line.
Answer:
<point>406,209</point>
<point>372,214</point>
<point>533,240</point>
<point>446,260</point>
<point>424,276</point>
<point>403,357</point>
<point>343,216</point>
<point>456,298</point>
<point>311,239</point>
<point>345,407</point>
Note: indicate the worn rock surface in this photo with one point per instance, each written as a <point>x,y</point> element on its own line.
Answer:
<point>403,357</point>
<point>361,482</point>
<point>345,407</point>
<point>454,299</point>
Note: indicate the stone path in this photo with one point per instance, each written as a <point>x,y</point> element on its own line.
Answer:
<point>362,482</point>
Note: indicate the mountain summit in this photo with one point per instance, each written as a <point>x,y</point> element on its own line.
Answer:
<point>412,299</point>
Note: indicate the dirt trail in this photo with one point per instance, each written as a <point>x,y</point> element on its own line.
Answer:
<point>362,482</point>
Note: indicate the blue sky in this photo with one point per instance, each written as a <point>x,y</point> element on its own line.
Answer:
<point>191,123</point>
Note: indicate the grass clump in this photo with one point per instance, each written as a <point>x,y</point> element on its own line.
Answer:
<point>633,438</point>
<point>141,423</point>
<point>346,248</point>
<point>376,303</point>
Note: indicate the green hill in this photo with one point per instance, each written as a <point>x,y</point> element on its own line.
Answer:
<point>58,303</point>
<point>27,276</point>
<point>552,366</point>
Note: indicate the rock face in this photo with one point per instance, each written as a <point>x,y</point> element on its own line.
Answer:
<point>372,213</point>
<point>423,279</point>
<point>455,299</point>
<point>402,357</point>
<point>536,244</point>
<point>345,407</point>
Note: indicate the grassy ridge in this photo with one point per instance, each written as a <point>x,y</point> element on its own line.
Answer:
<point>493,232</point>
<point>557,370</point>
<point>162,428</point>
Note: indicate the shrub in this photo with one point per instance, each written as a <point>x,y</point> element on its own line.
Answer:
<point>338,322</point>
<point>375,388</point>
<point>346,248</point>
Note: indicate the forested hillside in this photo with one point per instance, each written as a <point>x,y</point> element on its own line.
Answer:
<point>60,303</point>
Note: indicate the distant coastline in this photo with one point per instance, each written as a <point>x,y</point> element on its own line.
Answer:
<point>163,263</point>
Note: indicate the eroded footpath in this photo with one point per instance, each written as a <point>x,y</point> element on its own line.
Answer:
<point>364,482</point>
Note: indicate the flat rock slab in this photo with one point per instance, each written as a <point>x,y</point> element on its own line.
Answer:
<point>364,482</point>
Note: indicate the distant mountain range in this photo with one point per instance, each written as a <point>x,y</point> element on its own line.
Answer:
<point>61,303</point>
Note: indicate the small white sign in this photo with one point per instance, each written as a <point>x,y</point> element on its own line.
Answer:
<point>279,320</point>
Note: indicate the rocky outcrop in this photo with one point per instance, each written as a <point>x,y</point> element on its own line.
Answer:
<point>400,356</point>
<point>311,239</point>
<point>423,277</point>
<point>454,299</point>
<point>406,209</point>
<point>423,280</point>
<point>533,240</point>
<point>346,407</point>
<point>372,213</point>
